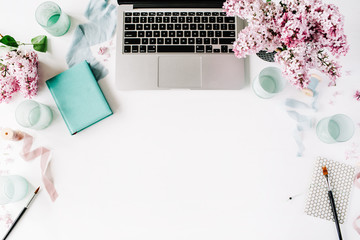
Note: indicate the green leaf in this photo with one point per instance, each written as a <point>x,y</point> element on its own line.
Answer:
<point>268,0</point>
<point>7,48</point>
<point>9,41</point>
<point>40,43</point>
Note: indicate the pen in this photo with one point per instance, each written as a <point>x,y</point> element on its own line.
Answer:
<point>21,214</point>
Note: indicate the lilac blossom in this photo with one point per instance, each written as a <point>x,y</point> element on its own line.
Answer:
<point>357,95</point>
<point>103,50</point>
<point>18,72</point>
<point>304,33</point>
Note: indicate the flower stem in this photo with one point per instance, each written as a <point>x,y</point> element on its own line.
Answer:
<point>1,36</point>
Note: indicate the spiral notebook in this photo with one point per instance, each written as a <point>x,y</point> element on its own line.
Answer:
<point>79,97</point>
<point>341,177</point>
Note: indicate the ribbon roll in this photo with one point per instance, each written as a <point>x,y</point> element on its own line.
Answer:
<point>8,134</point>
<point>311,90</point>
<point>314,82</point>
<point>27,154</point>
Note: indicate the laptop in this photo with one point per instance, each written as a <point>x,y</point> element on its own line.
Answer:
<point>177,44</point>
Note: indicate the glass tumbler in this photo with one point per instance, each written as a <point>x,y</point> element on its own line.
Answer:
<point>31,114</point>
<point>50,16</point>
<point>269,82</point>
<point>337,128</point>
<point>13,188</point>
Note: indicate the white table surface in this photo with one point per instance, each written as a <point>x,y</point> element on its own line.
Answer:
<point>171,165</point>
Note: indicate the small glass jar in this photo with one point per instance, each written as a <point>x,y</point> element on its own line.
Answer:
<point>269,82</point>
<point>337,128</point>
<point>50,16</point>
<point>13,188</point>
<point>31,114</point>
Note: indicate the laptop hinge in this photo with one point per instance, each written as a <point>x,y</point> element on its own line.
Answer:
<point>169,4</point>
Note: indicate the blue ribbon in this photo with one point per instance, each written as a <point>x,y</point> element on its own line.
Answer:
<point>100,28</point>
<point>303,122</point>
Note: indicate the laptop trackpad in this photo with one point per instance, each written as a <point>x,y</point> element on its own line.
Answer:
<point>180,72</point>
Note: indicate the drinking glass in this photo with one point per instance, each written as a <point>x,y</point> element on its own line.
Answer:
<point>269,82</point>
<point>337,128</point>
<point>31,114</point>
<point>50,16</point>
<point>12,188</point>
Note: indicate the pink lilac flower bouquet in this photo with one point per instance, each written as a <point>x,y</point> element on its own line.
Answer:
<point>18,72</point>
<point>304,33</point>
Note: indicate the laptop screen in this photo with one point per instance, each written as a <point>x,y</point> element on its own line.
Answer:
<point>174,3</point>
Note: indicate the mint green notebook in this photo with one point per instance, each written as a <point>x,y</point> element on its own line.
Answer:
<point>78,97</point>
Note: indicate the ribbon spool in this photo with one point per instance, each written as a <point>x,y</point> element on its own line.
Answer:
<point>11,135</point>
<point>314,81</point>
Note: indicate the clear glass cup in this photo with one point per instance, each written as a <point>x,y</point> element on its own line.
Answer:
<point>13,188</point>
<point>50,16</point>
<point>31,114</point>
<point>269,82</point>
<point>337,128</point>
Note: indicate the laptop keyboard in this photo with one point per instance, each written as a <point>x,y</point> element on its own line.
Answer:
<point>169,32</point>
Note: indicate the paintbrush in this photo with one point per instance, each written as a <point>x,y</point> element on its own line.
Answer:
<point>21,214</point>
<point>332,202</point>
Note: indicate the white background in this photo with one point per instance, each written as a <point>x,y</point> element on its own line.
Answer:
<point>171,165</point>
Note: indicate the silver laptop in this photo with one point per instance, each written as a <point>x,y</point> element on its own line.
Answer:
<point>176,44</point>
